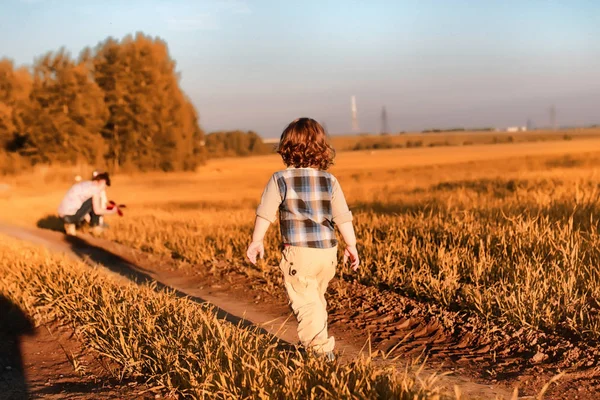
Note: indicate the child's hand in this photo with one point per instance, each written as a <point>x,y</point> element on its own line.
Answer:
<point>352,253</point>
<point>113,210</point>
<point>255,249</point>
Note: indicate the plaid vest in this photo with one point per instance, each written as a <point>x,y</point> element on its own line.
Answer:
<point>305,214</point>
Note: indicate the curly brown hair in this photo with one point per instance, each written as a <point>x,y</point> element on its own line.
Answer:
<point>304,144</point>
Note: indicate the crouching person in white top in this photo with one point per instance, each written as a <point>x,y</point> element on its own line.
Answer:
<point>85,198</point>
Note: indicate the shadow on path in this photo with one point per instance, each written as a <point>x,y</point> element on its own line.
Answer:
<point>115,263</point>
<point>51,222</point>
<point>13,325</point>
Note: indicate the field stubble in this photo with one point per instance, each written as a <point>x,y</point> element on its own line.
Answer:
<point>514,244</point>
<point>182,347</point>
<point>500,253</point>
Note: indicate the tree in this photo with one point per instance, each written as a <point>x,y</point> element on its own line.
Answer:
<point>192,138</point>
<point>235,143</point>
<point>119,104</point>
<point>15,86</point>
<point>152,125</point>
<point>66,112</point>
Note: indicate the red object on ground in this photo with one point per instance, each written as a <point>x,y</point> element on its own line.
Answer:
<point>112,204</point>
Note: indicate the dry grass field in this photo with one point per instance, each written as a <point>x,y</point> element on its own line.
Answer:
<point>458,138</point>
<point>492,249</point>
<point>179,345</point>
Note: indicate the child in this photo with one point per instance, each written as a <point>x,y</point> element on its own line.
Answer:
<point>310,203</point>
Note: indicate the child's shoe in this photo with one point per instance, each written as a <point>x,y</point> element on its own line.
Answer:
<point>329,356</point>
<point>70,229</point>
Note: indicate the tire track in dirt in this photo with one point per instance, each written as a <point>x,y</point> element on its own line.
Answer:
<point>400,326</point>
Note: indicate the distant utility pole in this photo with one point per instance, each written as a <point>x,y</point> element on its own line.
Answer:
<point>384,121</point>
<point>354,114</point>
<point>529,124</point>
<point>553,117</point>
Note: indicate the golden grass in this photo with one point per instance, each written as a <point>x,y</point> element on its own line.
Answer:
<point>508,233</point>
<point>180,345</point>
<point>240,180</point>
<point>512,240</point>
<point>354,142</point>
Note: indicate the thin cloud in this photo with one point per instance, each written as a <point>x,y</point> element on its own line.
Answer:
<point>207,19</point>
<point>198,22</point>
<point>234,6</point>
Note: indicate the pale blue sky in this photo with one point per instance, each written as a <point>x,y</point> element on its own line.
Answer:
<point>259,64</point>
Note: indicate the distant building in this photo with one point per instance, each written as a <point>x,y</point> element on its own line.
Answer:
<point>516,129</point>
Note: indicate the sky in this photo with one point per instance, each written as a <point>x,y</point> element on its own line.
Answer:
<point>257,65</point>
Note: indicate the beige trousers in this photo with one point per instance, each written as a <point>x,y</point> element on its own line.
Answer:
<point>307,273</point>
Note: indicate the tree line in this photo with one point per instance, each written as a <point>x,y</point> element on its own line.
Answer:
<point>484,129</point>
<point>236,144</point>
<point>118,105</point>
